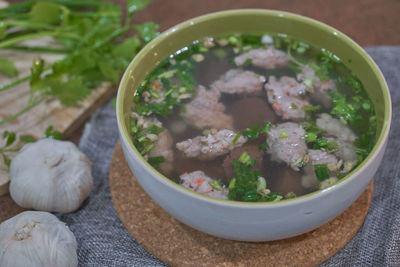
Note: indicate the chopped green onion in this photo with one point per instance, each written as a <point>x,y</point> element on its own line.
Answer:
<point>245,158</point>
<point>283,135</point>
<point>154,129</point>
<point>155,161</point>
<point>215,185</point>
<point>311,137</point>
<point>147,148</point>
<point>247,62</point>
<point>274,197</point>
<point>321,171</point>
<point>252,132</point>
<point>267,127</point>
<point>261,184</point>
<point>297,162</point>
<point>234,140</point>
<point>290,195</point>
<point>308,82</point>
<point>232,184</point>
<point>311,109</point>
<point>263,146</point>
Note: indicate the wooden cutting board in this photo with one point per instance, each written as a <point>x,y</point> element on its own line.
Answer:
<point>51,112</point>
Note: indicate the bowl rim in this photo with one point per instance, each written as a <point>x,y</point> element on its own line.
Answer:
<point>380,142</point>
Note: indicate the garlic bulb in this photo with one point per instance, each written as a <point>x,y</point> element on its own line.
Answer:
<point>35,238</point>
<point>50,175</point>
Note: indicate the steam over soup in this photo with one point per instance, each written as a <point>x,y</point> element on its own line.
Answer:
<point>253,118</point>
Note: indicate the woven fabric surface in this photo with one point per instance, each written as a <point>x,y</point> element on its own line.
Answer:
<point>103,240</point>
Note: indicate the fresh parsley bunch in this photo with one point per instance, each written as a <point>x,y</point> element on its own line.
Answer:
<point>91,35</point>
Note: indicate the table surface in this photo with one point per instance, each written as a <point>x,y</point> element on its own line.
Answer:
<point>368,22</point>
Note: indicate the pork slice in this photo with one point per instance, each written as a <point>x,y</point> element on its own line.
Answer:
<point>199,182</point>
<point>205,111</point>
<point>286,143</point>
<point>251,149</point>
<point>334,127</point>
<point>321,157</point>
<point>321,89</point>
<point>211,145</point>
<point>237,81</point>
<point>285,96</point>
<point>346,150</point>
<point>341,134</point>
<point>309,178</point>
<point>266,58</point>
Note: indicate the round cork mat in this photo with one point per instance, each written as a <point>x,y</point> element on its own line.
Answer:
<point>179,245</point>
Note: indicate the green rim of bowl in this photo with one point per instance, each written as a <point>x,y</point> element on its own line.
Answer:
<point>385,121</point>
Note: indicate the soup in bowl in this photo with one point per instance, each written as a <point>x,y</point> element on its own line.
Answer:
<point>253,125</point>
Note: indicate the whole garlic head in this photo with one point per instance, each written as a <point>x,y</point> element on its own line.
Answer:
<point>50,175</point>
<point>35,238</point>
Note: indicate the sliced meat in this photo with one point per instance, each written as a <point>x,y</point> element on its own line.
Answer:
<point>309,179</point>
<point>253,152</point>
<point>266,58</point>
<point>320,88</point>
<point>341,134</point>
<point>237,81</point>
<point>199,182</point>
<point>211,145</point>
<point>251,111</point>
<point>346,150</point>
<point>163,147</point>
<point>334,127</point>
<point>204,111</point>
<point>285,96</point>
<point>185,164</point>
<point>321,157</point>
<point>286,144</point>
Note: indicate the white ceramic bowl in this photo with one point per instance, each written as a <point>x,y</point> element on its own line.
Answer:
<point>254,221</point>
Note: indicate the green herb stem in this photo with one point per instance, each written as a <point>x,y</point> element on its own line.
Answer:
<point>29,25</point>
<point>25,37</point>
<point>96,14</point>
<point>292,57</point>
<point>21,112</point>
<point>39,49</point>
<point>8,150</point>
<point>112,36</point>
<point>19,81</point>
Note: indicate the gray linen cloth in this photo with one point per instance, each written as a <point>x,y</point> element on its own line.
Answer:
<point>103,240</point>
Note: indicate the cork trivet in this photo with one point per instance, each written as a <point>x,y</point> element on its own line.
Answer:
<point>179,245</point>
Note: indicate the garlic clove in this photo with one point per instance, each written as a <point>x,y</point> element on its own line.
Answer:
<point>35,238</point>
<point>50,175</point>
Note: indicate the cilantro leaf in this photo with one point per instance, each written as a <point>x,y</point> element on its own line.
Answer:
<point>136,5</point>
<point>147,31</point>
<point>45,12</point>
<point>51,133</point>
<point>27,139</point>
<point>69,92</point>
<point>7,67</point>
